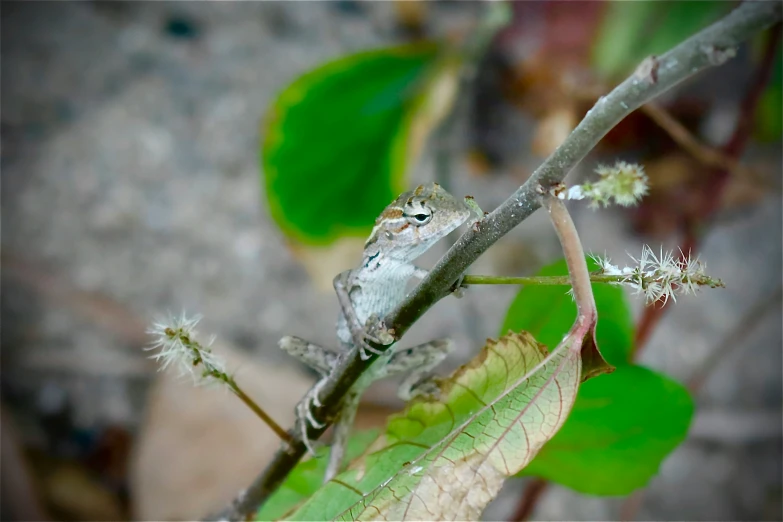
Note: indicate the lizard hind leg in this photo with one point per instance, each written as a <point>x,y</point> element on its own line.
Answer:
<point>419,360</point>
<point>316,357</point>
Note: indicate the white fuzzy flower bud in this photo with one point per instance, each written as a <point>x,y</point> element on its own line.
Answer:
<point>660,277</point>
<point>176,340</point>
<point>624,184</point>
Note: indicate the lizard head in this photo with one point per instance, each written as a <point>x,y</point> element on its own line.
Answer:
<point>415,221</point>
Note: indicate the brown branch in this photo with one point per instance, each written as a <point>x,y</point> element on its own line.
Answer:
<point>706,154</point>
<point>259,411</point>
<point>708,48</point>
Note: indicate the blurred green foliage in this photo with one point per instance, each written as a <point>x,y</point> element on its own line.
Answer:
<point>769,113</point>
<point>623,424</point>
<point>336,141</point>
<point>631,31</point>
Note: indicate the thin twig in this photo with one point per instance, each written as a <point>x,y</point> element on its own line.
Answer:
<point>700,151</point>
<point>565,280</point>
<point>732,341</point>
<point>259,411</point>
<point>531,280</point>
<point>710,156</point>
<point>710,47</point>
<point>706,154</point>
<point>581,336</point>
<point>587,315</point>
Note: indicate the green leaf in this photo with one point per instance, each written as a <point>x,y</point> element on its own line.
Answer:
<point>446,459</point>
<point>621,428</point>
<point>631,31</point>
<point>337,141</point>
<point>617,38</point>
<point>623,424</point>
<point>548,312</point>
<point>769,124</point>
<point>308,476</point>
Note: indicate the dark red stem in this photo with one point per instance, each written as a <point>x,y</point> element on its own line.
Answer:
<point>533,491</point>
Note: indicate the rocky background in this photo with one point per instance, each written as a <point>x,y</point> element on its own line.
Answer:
<point>130,188</point>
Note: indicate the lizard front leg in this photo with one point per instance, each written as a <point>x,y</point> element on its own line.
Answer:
<point>455,289</point>
<point>360,334</point>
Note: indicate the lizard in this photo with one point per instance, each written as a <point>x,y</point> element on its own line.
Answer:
<point>406,228</point>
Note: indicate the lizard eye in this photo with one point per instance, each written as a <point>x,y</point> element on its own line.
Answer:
<point>420,218</point>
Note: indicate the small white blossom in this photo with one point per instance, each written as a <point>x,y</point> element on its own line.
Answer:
<point>575,193</point>
<point>659,277</point>
<point>624,183</point>
<point>176,340</point>
<point>605,265</point>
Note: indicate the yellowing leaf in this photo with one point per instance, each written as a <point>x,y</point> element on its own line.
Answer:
<point>446,459</point>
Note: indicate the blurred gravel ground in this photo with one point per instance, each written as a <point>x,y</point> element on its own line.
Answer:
<point>130,187</point>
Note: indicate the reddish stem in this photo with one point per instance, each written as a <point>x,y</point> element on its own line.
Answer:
<point>533,491</point>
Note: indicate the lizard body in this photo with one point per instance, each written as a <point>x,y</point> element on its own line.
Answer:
<point>405,229</point>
